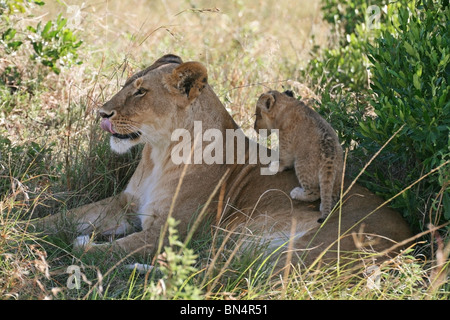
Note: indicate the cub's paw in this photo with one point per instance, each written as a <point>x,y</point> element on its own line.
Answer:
<point>321,220</point>
<point>298,193</point>
<point>324,214</point>
<point>274,166</point>
<point>304,195</point>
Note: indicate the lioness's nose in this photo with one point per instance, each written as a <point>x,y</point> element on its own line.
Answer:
<point>106,115</point>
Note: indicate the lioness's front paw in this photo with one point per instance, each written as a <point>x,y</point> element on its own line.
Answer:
<point>81,242</point>
<point>140,267</point>
<point>85,244</point>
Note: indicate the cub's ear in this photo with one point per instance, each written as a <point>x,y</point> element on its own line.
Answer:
<point>187,79</point>
<point>266,101</point>
<point>289,93</point>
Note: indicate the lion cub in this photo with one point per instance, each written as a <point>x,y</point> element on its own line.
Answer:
<point>308,143</point>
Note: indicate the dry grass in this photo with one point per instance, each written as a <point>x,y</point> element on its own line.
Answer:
<point>247,46</point>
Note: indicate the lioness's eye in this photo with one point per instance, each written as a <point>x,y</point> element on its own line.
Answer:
<point>140,92</point>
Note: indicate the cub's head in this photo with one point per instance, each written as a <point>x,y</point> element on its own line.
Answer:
<point>152,103</point>
<point>271,107</point>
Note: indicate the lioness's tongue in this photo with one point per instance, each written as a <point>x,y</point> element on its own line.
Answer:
<point>106,125</point>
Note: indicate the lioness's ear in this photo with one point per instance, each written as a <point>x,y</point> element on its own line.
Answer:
<point>188,79</point>
<point>138,82</point>
<point>169,58</point>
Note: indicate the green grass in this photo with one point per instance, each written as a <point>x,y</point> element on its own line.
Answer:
<point>53,157</point>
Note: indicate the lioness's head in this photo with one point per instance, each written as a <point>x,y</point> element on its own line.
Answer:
<point>269,107</point>
<point>152,103</point>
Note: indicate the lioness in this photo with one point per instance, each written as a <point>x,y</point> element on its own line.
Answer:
<point>308,143</point>
<point>170,95</point>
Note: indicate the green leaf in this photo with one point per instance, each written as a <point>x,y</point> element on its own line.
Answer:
<point>14,45</point>
<point>56,70</point>
<point>442,99</point>
<point>409,49</point>
<point>416,82</point>
<point>30,28</point>
<point>47,27</point>
<point>444,61</point>
<point>419,70</point>
<point>37,46</point>
<point>446,202</point>
<point>61,22</point>
<point>9,34</point>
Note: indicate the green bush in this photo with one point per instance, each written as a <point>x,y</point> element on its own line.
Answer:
<point>339,73</point>
<point>177,264</point>
<point>411,72</point>
<point>340,78</point>
<point>54,45</point>
<point>345,16</point>
<point>373,80</point>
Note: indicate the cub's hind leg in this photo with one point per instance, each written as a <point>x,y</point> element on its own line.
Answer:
<point>327,177</point>
<point>308,177</point>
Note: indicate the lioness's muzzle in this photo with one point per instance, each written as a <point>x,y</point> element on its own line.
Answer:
<point>107,126</point>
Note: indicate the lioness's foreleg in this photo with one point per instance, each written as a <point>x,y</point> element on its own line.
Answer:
<point>139,243</point>
<point>144,242</point>
<point>108,216</point>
